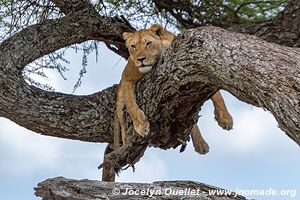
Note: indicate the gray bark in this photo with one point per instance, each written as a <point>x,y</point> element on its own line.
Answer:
<point>61,188</point>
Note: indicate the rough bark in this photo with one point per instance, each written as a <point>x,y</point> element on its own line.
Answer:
<point>61,188</point>
<point>108,172</point>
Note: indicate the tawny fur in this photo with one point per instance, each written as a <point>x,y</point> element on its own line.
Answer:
<point>145,47</point>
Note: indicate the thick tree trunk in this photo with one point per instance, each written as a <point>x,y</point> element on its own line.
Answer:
<point>61,188</point>
<point>108,172</point>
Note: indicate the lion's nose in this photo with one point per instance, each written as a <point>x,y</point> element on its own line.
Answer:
<point>141,59</point>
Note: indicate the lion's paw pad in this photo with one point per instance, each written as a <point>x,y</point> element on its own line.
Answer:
<point>202,148</point>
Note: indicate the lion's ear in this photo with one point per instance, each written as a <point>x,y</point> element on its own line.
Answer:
<point>157,29</point>
<point>127,35</point>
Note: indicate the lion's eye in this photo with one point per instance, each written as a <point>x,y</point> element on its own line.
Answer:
<point>133,46</point>
<point>148,43</point>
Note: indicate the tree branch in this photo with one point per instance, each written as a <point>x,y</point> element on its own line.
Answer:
<point>86,118</point>
<point>72,6</point>
<point>38,110</point>
<point>283,29</point>
<point>40,39</point>
<point>61,188</point>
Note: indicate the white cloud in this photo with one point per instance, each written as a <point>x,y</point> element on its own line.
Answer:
<point>24,151</point>
<point>251,129</point>
<point>151,168</point>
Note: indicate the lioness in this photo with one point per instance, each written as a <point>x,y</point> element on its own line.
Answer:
<point>145,47</point>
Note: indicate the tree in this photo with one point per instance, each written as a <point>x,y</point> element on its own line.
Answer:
<point>202,60</point>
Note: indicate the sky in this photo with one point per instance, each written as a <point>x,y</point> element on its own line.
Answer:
<point>255,155</point>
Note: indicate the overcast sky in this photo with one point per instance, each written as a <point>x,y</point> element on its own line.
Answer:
<point>256,154</point>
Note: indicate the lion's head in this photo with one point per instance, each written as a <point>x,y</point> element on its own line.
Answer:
<point>146,45</point>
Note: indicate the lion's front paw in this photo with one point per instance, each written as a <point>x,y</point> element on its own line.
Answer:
<point>201,147</point>
<point>224,120</point>
<point>143,128</point>
<point>141,125</point>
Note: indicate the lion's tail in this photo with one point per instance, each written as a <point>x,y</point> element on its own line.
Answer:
<point>117,132</point>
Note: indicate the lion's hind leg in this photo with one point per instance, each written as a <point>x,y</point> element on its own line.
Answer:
<point>198,141</point>
<point>222,115</point>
